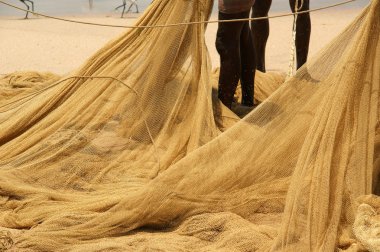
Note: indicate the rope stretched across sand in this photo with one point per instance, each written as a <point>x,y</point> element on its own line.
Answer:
<point>180,24</point>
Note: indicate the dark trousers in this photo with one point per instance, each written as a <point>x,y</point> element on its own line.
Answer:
<point>237,60</point>
<point>260,31</point>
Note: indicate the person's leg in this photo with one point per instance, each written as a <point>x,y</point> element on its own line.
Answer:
<point>228,46</point>
<point>260,31</point>
<point>303,32</point>
<point>118,7</point>
<point>31,3</point>
<point>137,7</point>
<point>248,65</point>
<point>124,5</point>
<point>27,7</point>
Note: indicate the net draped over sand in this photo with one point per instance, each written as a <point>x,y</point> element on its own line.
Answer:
<point>147,161</point>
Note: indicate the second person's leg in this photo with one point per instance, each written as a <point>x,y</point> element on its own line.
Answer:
<point>260,31</point>
<point>248,65</point>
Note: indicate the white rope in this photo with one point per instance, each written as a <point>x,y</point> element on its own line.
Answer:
<point>292,61</point>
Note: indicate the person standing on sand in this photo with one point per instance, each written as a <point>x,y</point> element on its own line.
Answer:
<point>235,46</point>
<point>260,31</point>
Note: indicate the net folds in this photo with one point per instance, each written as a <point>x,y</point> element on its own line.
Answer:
<point>136,155</point>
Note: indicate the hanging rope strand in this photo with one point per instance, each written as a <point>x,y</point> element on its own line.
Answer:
<point>292,61</point>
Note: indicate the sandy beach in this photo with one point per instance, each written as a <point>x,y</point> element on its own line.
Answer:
<point>48,45</point>
<point>131,150</point>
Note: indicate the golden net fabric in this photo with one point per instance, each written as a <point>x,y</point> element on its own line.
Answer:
<point>147,161</point>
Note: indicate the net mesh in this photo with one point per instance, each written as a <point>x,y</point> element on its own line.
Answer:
<point>147,160</point>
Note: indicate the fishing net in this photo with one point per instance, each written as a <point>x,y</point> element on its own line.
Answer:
<point>134,154</point>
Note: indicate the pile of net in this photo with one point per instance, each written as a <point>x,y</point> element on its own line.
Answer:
<point>131,153</point>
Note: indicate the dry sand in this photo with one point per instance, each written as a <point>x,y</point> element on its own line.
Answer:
<point>47,45</point>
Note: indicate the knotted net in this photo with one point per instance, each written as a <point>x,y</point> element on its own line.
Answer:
<point>135,154</point>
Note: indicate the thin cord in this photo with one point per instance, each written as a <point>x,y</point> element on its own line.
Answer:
<point>180,24</point>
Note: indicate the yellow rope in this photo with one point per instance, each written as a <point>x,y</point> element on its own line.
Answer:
<point>180,24</point>
<point>6,240</point>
